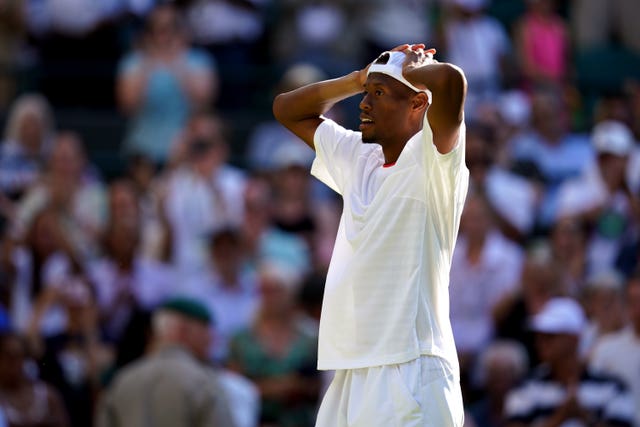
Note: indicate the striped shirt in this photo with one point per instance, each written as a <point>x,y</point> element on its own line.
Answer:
<point>539,396</point>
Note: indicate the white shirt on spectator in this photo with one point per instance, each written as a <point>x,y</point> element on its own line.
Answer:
<point>476,288</point>
<point>54,273</point>
<point>618,354</point>
<point>587,192</point>
<point>514,197</point>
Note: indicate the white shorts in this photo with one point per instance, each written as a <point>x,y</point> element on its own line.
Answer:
<point>421,393</point>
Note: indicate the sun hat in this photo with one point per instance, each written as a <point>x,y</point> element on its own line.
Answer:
<point>390,63</point>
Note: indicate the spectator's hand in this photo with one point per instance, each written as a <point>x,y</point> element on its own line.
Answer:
<point>571,408</point>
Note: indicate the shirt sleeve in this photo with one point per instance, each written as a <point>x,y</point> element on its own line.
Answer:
<point>447,180</point>
<point>336,150</point>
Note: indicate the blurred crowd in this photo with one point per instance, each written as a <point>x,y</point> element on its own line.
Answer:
<point>197,262</point>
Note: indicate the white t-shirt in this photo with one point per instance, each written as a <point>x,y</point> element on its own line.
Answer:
<point>476,287</point>
<point>386,299</point>
<point>618,354</point>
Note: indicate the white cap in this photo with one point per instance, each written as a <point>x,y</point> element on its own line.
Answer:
<point>612,137</point>
<point>560,315</point>
<point>390,63</point>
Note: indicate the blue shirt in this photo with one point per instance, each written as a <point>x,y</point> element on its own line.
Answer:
<point>165,107</point>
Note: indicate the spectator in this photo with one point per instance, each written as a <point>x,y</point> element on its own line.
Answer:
<point>270,137</point>
<point>125,279</point>
<point>619,353</point>
<point>27,137</point>
<point>541,280</point>
<point>41,264</point>
<point>277,354</point>
<point>485,268</point>
<point>601,197</point>
<point>234,33</point>
<point>567,250</point>
<point>543,45</point>
<point>75,359</point>
<point>602,298</point>
<point>388,23</point>
<point>71,188</point>
<point>549,152</point>
<point>229,290</point>
<point>501,366</point>
<point>170,386</point>
<point>466,28</point>
<point>195,207</point>
<point>26,402</point>
<point>511,199</point>
<point>561,390</point>
<point>261,239</point>
<point>160,84</point>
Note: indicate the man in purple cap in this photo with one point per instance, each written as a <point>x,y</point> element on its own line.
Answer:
<point>384,324</point>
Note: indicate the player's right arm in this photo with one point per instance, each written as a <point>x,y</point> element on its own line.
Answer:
<point>301,110</point>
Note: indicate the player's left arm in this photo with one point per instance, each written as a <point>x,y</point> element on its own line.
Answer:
<point>448,87</point>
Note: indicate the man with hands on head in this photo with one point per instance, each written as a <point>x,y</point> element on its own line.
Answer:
<point>385,325</point>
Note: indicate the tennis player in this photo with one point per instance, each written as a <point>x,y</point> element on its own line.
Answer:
<point>385,325</point>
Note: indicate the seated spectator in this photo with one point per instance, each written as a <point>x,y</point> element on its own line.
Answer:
<point>560,390</point>
<point>71,188</point>
<point>601,196</point>
<point>602,298</point>
<point>484,269</point>
<point>567,250</point>
<point>277,354</point>
<point>161,83</point>
<point>27,137</point>
<point>170,386</point>
<point>540,281</point>
<point>262,239</point>
<point>270,137</point>
<point>549,152</point>
<point>229,290</point>
<point>125,279</point>
<point>511,199</point>
<point>74,360</point>
<point>42,263</point>
<point>618,353</point>
<point>24,401</point>
<point>501,366</point>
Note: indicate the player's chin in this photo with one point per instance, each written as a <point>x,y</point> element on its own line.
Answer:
<point>367,136</point>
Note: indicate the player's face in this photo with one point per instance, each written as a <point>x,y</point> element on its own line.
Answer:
<point>384,109</point>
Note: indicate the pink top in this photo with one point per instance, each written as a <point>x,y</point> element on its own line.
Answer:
<point>545,44</point>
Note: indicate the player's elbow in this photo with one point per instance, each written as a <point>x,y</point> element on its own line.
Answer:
<point>279,108</point>
<point>456,81</point>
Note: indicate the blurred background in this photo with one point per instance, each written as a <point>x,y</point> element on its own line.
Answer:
<point>139,161</point>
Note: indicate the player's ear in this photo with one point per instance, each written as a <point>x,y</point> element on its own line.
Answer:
<point>419,101</point>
